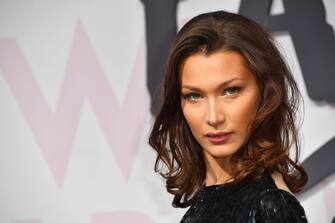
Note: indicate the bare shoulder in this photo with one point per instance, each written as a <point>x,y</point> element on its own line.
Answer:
<point>279,181</point>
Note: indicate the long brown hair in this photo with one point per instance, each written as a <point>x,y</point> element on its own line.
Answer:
<point>273,132</point>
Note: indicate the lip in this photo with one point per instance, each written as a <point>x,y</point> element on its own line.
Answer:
<point>218,137</point>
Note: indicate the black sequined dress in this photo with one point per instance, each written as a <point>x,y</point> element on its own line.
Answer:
<point>259,201</point>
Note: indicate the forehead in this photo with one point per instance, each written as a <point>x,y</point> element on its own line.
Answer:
<point>221,65</point>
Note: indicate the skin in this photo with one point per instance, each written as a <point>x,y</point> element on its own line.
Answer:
<point>220,93</point>
<point>209,106</point>
<point>279,181</point>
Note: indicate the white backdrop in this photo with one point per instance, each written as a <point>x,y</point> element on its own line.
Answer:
<point>74,117</point>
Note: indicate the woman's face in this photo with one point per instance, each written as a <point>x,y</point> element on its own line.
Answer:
<point>219,96</point>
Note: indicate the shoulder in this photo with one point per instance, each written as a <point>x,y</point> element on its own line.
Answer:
<point>279,181</point>
<point>278,205</point>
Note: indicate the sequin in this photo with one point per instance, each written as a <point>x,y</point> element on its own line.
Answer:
<point>250,202</point>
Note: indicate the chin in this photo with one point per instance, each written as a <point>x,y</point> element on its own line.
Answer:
<point>221,152</point>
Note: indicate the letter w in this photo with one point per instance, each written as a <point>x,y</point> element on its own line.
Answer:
<point>54,132</point>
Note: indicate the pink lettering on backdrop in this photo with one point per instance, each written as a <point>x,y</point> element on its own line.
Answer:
<point>329,195</point>
<point>121,216</point>
<point>84,79</point>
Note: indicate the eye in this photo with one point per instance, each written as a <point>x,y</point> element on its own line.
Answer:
<point>192,97</point>
<point>232,91</point>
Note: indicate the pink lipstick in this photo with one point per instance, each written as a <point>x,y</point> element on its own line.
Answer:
<point>218,137</point>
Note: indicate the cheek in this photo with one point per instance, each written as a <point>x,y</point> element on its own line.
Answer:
<point>243,112</point>
<point>193,118</point>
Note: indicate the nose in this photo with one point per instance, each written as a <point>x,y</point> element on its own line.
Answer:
<point>214,115</point>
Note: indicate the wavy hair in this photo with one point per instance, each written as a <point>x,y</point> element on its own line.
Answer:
<point>273,132</point>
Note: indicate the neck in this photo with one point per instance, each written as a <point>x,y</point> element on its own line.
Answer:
<point>217,171</point>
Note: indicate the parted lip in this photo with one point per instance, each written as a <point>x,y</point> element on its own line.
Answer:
<point>217,134</point>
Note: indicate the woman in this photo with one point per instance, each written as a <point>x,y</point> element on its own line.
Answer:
<point>227,123</point>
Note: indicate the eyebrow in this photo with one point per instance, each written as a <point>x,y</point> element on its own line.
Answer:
<point>219,86</point>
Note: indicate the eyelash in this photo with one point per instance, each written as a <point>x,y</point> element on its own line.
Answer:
<point>236,89</point>
<point>189,95</point>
